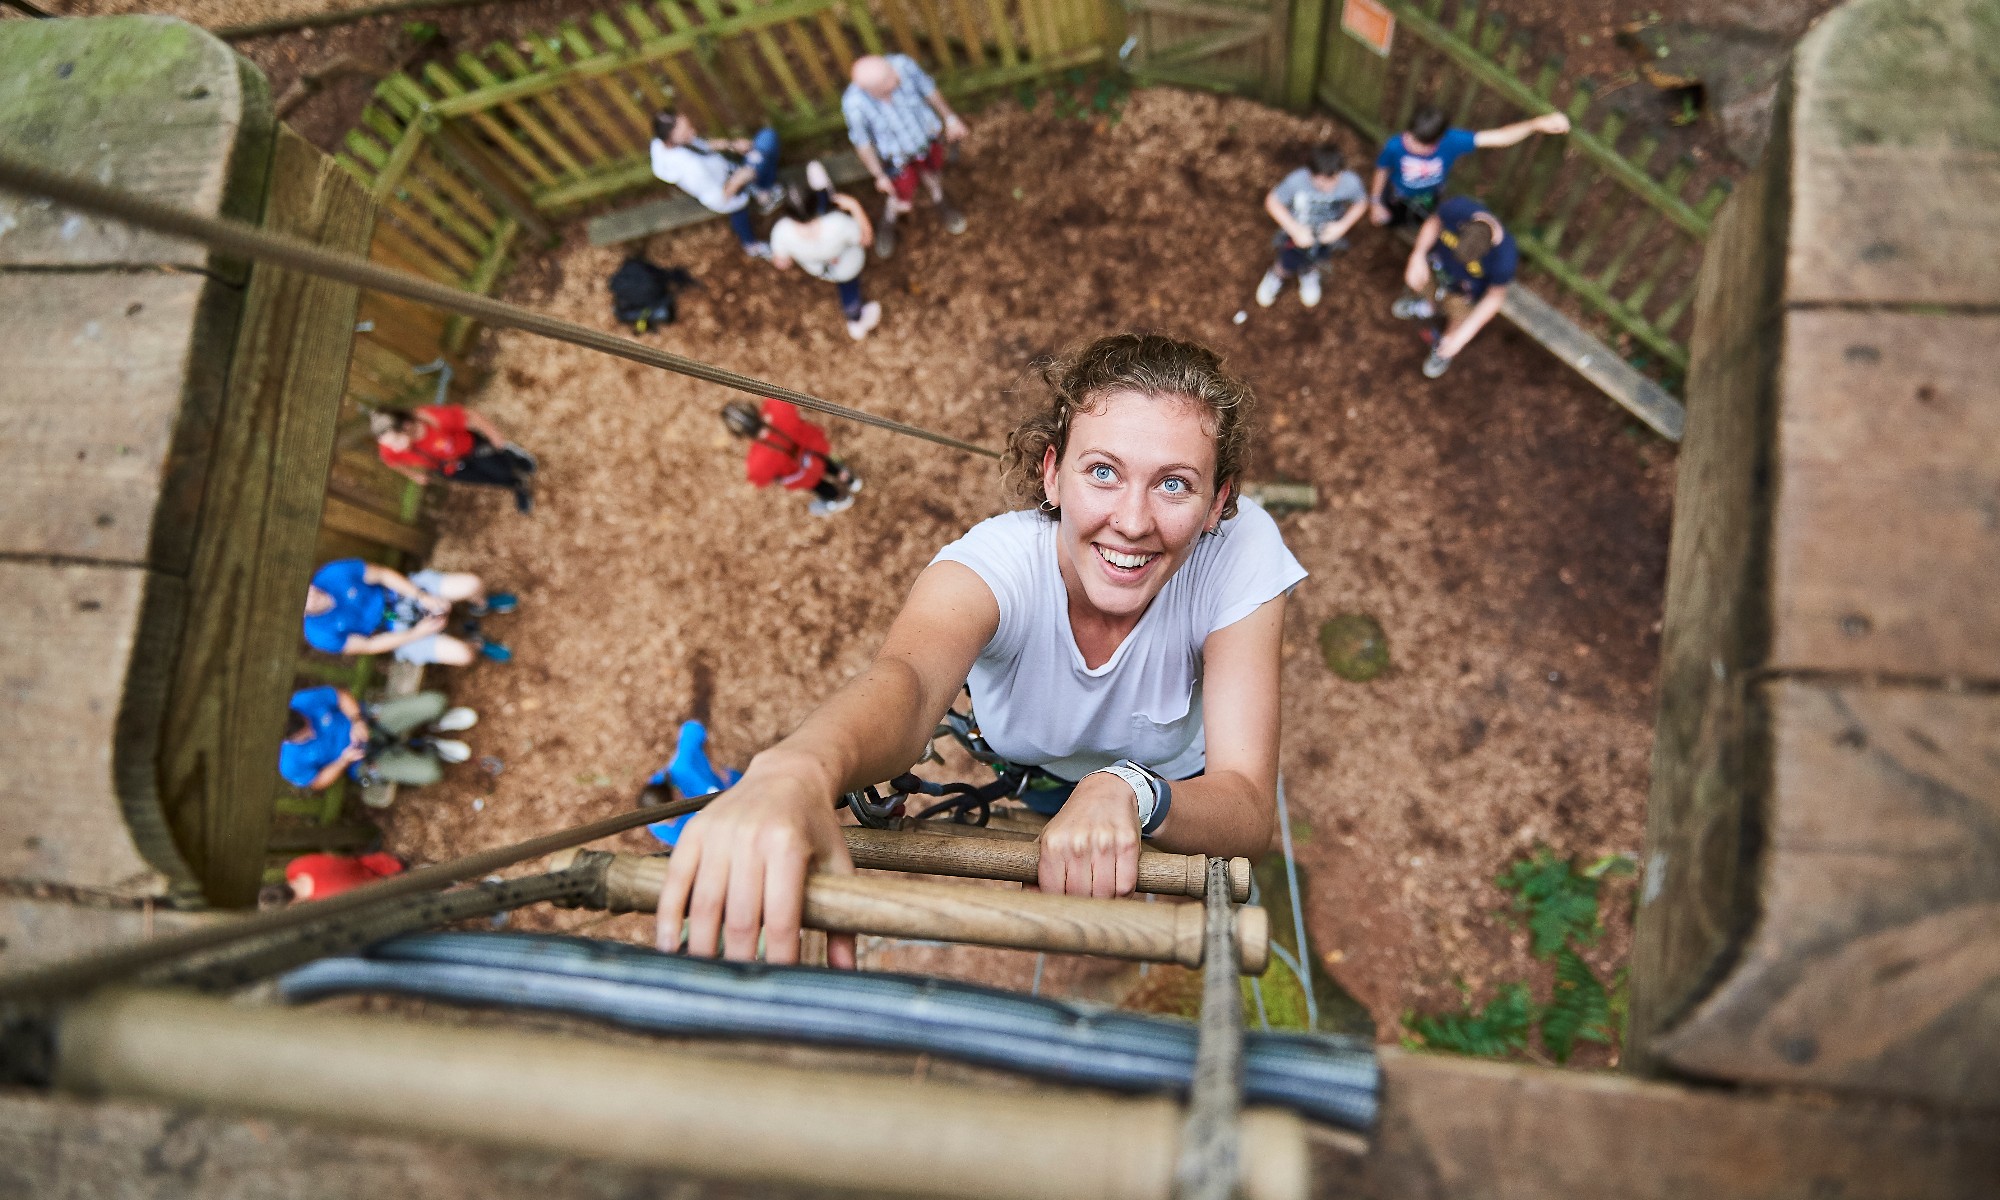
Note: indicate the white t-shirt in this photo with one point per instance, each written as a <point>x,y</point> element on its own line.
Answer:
<point>1039,705</point>
<point>698,171</point>
<point>828,248</point>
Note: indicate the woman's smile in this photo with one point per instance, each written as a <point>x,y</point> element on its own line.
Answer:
<point>1136,487</point>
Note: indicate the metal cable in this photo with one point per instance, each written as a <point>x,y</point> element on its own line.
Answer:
<point>244,241</point>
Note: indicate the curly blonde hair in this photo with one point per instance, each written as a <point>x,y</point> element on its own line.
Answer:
<point>1148,363</point>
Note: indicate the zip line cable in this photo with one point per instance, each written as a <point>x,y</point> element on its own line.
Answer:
<point>245,241</point>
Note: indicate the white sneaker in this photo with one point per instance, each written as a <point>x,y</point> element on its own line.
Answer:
<point>1309,289</point>
<point>871,316</point>
<point>1412,308</point>
<point>450,750</point>
<point>1267,289</point>
<point>759,250</point>
<point>1436,365</point>
<point>455,719</point>
<point>826,508</point>
<point>853,484</point>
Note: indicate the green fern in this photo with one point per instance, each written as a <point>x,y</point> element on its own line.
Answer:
<point>1495,1031</point>
<point>1578,1009</point>
<point>1559,902</point>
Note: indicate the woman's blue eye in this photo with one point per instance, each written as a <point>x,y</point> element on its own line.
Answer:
<point>1102,473</point>
<point>1175,485</point>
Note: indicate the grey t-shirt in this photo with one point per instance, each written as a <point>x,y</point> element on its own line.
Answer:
<point>1313,207</point>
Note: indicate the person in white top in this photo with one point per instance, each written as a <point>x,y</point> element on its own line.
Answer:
<point>1124,628</point>
<point>723,175</point>
<point>826,235</point>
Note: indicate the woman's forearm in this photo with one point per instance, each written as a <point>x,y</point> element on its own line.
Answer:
<point>873,728</point>
<point>1221,813</point>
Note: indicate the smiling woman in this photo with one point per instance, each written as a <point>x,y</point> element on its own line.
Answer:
<point>1122,636</point>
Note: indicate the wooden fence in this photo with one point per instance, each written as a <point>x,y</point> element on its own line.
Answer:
<point>1599,212</point>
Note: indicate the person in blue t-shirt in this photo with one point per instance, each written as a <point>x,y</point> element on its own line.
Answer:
<point>1461,266</point>
<point>356,607</point>
<point>1411,170</point>
<point>326,736</point>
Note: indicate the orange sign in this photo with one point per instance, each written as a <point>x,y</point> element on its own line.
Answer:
<point>1371,22</point>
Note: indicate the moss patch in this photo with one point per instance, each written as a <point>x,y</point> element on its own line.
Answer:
<point>1354,647</point>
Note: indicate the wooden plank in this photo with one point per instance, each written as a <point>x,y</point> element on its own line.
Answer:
<point>864,28</point>
<point>106,408</point>
<point>636,130</point>
<point>515,149</point>
<point>899,26</point>
<point>680,210</point>
<point>83,646</point>
<point>421,231</point>
<point>742,69</point>
<point>1874,966</point>
<point>774,60</point>
<point>643,76</point>
<point>559,102</point>
<point>1003,33</point>
<point>686,96</point>
<point>1898,198</point>
<point>1595,361</point>
<point>344,516</point>
<point>973,42</point>
<point>41,932</point>
<point>522,116</point>
<point>1471,1130</point>
<point>840,53</point>
<point>1698,896</point>
<point>941,59</point>
<point>259,522</point>
<point>1887,541</point>
<point>1307,38</point>
<point>135,103</point>
<point>703,39</point>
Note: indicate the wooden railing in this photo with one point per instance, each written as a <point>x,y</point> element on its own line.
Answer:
<point>1619,230</point>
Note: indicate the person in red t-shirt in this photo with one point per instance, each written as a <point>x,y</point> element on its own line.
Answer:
<point>787,449</point>
<point>317,876</point>
<point>458,443</point>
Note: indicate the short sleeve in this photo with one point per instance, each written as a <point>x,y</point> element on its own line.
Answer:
<point>1347,189</point>
<point>1251,565</point>
<point>913,74</point>
<point>1391,151</point>
<point>323,633</point>
<point>1503,262</point>
<point>340,574</point>
<point>1457,143</point>
<point>1291,185</point>
<point>1001,551</point>
<point>858,132</point>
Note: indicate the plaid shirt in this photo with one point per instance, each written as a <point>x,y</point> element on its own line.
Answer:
<point>903,126</point>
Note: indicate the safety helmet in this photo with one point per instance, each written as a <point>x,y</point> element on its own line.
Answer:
<point>742,419</point>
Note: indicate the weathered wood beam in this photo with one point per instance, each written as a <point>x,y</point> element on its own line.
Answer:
<point>1822,901</point>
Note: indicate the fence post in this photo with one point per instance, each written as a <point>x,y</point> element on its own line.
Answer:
<point>474,165</point>
<point>1302,66</point>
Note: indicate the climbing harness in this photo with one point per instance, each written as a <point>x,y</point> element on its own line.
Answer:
<point>245,241</point>
<point>962,803</point>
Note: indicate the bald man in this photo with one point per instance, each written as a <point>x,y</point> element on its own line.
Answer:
<point>899,124</point>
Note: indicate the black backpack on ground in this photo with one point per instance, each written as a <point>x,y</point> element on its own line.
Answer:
<point>642,295</point>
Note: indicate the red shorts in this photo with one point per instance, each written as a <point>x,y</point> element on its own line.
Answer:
<point>930,162</point>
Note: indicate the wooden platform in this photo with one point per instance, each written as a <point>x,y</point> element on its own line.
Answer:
<point>169,415</point>
<point>681,210</point>
<point>1822,895</point>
